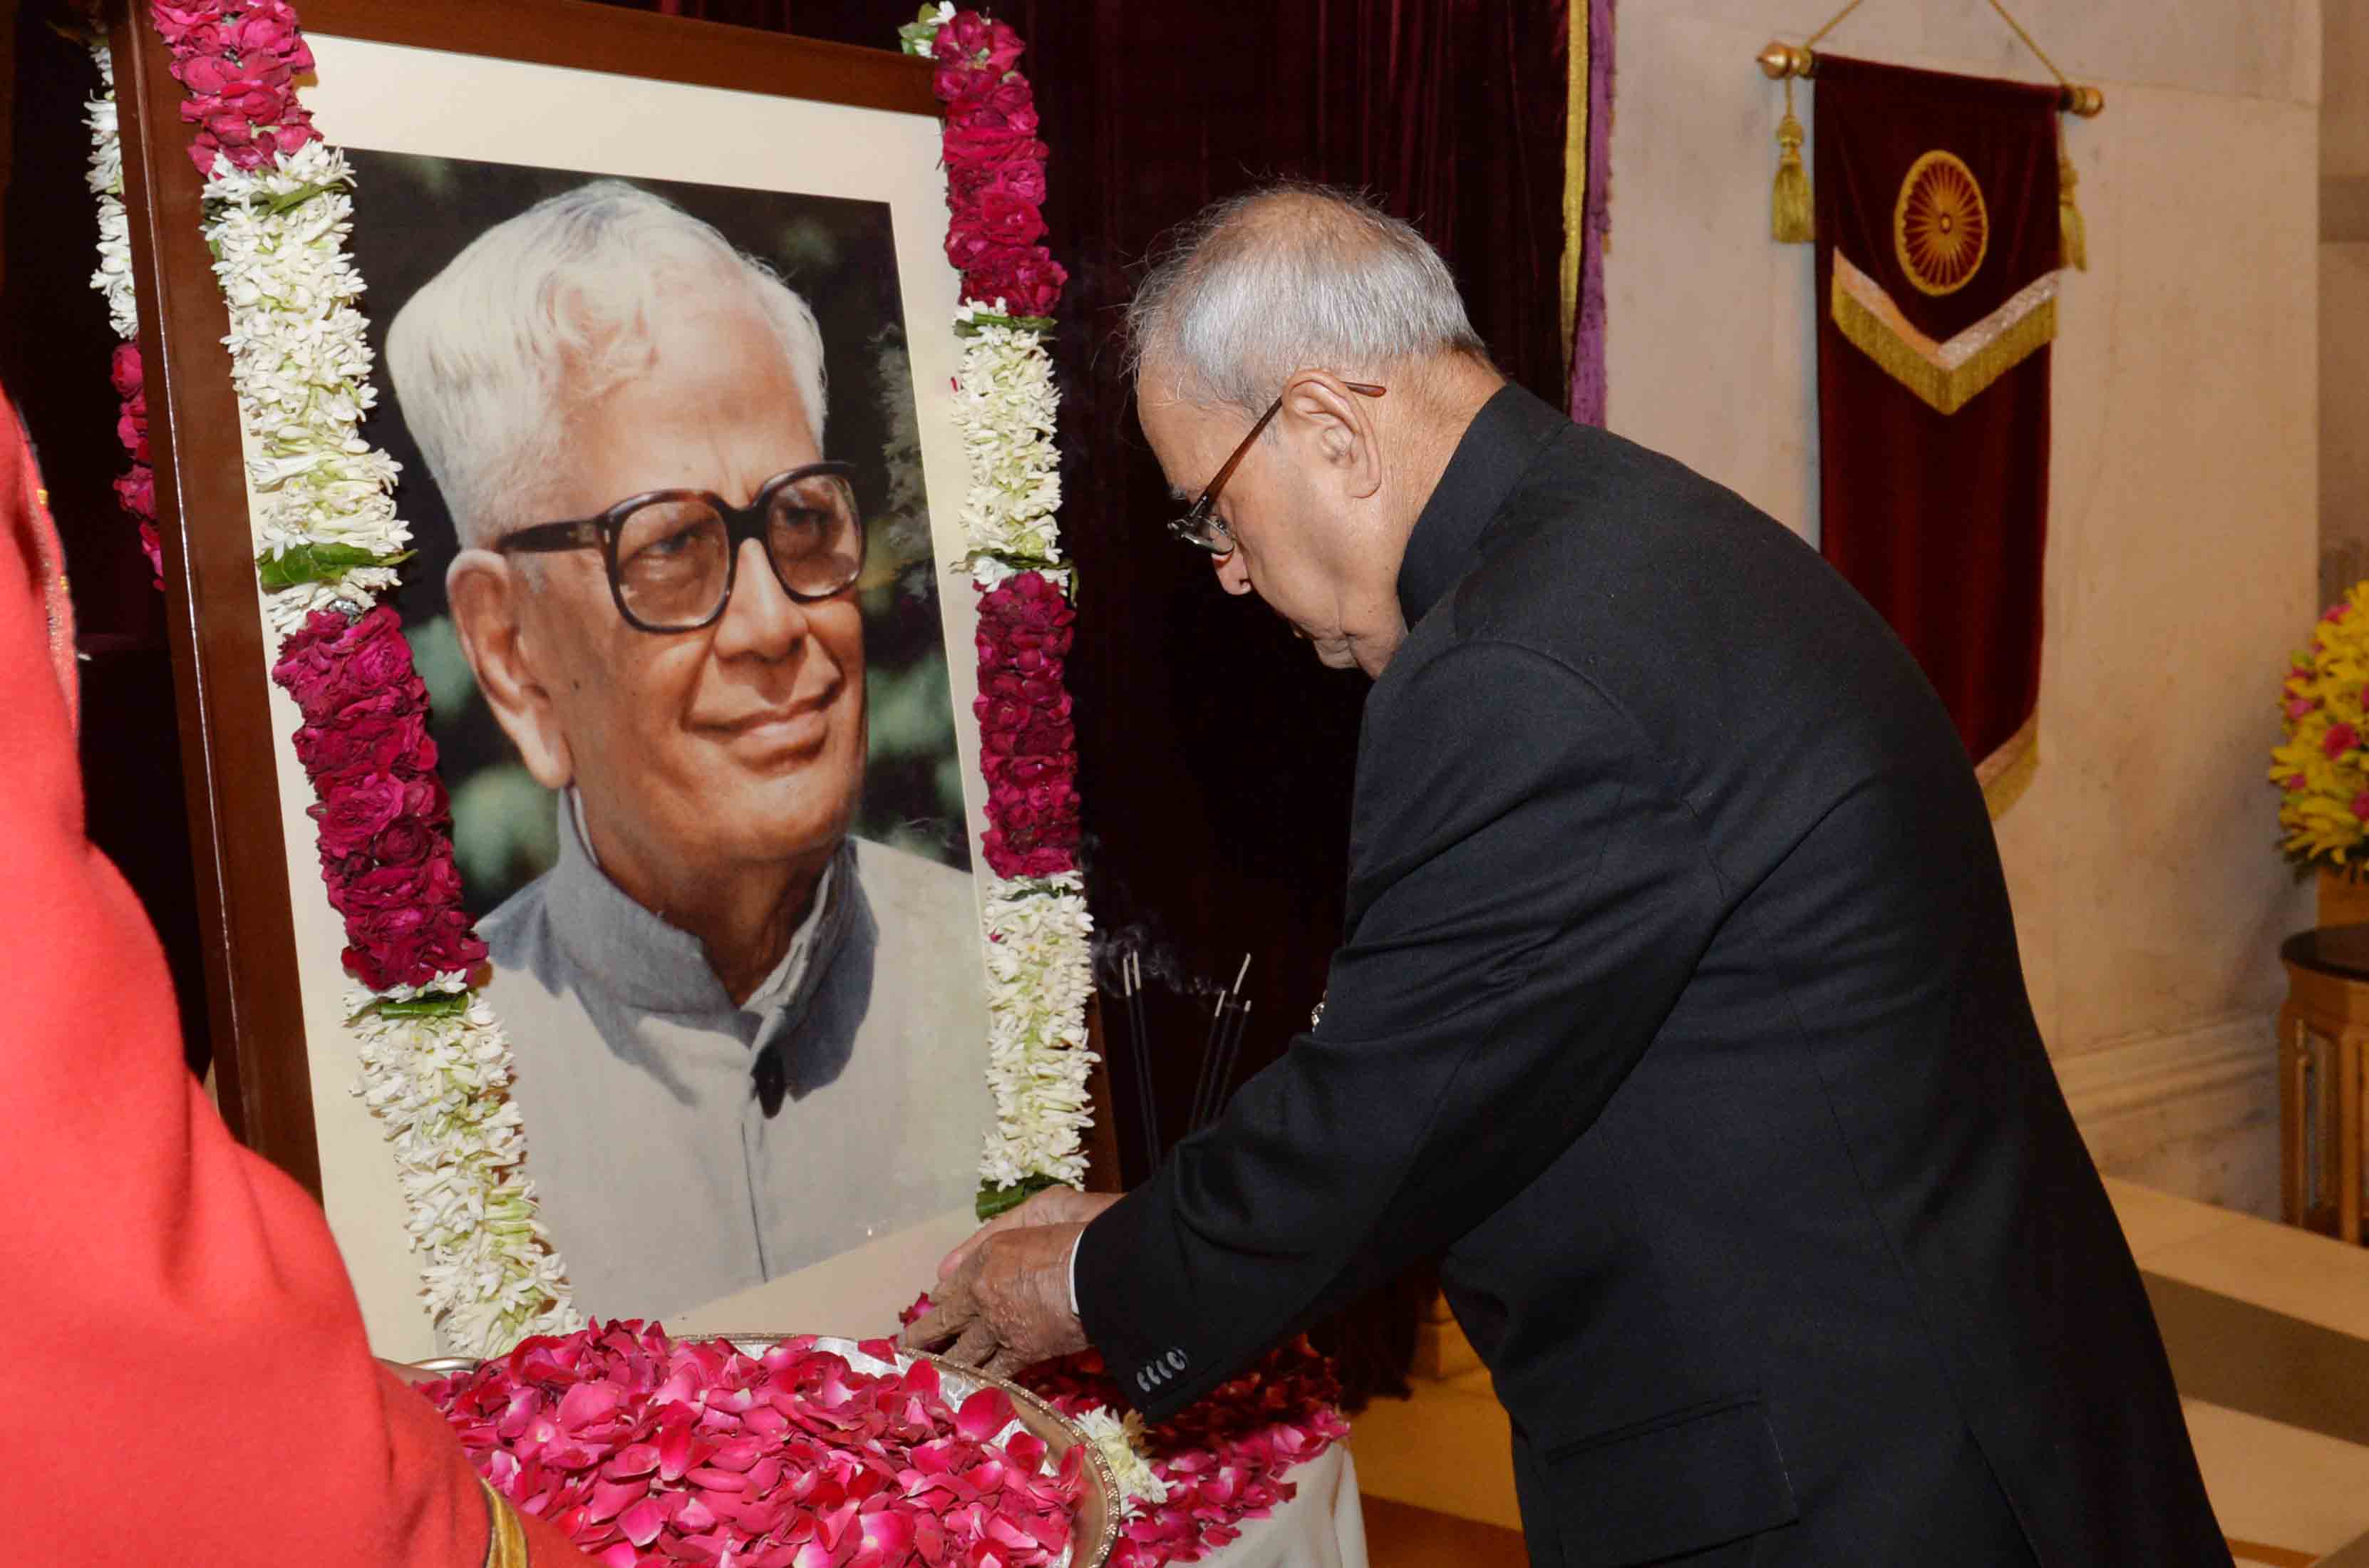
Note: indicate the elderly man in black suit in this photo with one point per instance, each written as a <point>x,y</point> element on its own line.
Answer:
<point>1678,1009</point>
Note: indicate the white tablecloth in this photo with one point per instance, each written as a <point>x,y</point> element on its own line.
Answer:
<point>1323,1527</point>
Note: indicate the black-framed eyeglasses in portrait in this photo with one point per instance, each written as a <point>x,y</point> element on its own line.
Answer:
<point>672,554</point>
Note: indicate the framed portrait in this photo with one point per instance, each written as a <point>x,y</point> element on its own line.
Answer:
<point>658,310</point>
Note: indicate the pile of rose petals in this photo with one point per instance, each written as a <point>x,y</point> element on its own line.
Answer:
<point>647,1453</point>
<point>1222,1458</point>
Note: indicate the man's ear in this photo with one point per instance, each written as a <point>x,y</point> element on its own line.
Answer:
<point>1318,408</point>
<point>487,592</point>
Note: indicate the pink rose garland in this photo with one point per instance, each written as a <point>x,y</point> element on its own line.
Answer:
<point>386,851</point>
<point>238,63</point>
<point>1027,744</point>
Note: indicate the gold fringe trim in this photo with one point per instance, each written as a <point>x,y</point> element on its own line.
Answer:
<point>2006,773</point>
<point>505,1541</point>
<point>1922,366</point>
<point>1575,181</point>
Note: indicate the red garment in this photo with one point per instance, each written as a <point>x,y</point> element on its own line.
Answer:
<point>189,1384</point>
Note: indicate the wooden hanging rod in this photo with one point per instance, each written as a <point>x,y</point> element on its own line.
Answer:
<point>1780,60</point>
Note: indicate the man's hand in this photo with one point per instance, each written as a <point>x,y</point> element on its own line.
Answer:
<point>1004,1295</point>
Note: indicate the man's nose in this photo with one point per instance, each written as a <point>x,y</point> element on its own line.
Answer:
<point>1232,574</point>
<point>761,619</point>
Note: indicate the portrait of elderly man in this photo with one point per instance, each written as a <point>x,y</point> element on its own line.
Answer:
<point>746,1041</point>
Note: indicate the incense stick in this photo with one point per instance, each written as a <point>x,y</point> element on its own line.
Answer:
<point>1139,1045</point>
<point>1208,1092</point>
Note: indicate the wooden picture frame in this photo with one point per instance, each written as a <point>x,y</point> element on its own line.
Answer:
<point>268,1083</point>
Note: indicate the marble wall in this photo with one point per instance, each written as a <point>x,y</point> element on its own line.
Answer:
<point>2183,496</point>
<point>2344,300</point>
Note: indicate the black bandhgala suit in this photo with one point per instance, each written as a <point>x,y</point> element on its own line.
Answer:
<point>1679,1012</point>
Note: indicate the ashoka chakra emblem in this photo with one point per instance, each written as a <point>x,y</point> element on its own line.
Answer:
<point>1940,227</point>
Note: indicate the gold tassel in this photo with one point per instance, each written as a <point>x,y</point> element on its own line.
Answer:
<point>1790,222</point>
<point>2068,213</point>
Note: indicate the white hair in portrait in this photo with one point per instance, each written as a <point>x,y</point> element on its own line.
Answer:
<point>552,309</point>
<point>1287,278</point>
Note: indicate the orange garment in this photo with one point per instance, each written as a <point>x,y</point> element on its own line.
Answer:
<point>188,1381</point>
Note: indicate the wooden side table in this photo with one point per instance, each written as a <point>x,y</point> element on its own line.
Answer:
<point>2323,1036</point>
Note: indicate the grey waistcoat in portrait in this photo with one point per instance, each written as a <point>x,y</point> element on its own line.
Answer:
<point>684,1147</point>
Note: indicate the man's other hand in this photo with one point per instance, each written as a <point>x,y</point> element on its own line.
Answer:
<point>1003,1299</point>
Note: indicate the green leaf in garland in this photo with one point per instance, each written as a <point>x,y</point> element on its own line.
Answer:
<point>921,32</point>
<point>968,327</point>
<point>445,1004</point>
<point>996,1200</point>
<point>295,199</point>
<point>1019,563</point>
<point>317,563</point>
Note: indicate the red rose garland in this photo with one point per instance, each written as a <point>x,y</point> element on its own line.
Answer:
<point>385,825</point>
<point>995,169</point>
<point>1028,745</point>
<point>136,487</point>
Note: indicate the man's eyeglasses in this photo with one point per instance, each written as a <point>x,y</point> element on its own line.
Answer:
<point>672,554</point>
<point>1201,525</point>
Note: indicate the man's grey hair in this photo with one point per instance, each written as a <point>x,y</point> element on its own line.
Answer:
<point>1287,278</point>
<point>544,313</point>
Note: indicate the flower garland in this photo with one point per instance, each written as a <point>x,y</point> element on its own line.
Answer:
<point>136,487</point>
<point>1039,968</point>
<point>435,1065</point>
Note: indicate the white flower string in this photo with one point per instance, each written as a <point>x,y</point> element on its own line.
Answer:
<point>113,278</point>
<point>1040,975</point>
<point>441,1081</point>
<point>300,365</point>
<point>1121,1442</point>
<point>1004,406</point>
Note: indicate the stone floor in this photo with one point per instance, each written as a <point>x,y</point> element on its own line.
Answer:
<point>2268,1329</point>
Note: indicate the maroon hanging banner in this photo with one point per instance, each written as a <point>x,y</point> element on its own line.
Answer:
<point>1939,248</point>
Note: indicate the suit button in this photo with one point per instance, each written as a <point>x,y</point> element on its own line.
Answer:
<point>773,1082</point>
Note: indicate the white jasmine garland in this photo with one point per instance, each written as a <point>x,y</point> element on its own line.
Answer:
<point>1040,973</point>
<point>1121,1445</point>
<point>301,364</point>
<point>441,1082</point>
<point>1004,406</point>
<point>113,278</point>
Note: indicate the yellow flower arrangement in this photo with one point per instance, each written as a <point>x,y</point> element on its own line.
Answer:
<point>2323,766</point>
